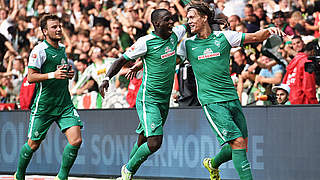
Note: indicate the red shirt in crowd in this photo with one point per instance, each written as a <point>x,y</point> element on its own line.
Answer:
<point>302,84</point>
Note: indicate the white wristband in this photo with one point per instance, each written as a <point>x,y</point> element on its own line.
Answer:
<point>51,75</point>
<point>106,79</point>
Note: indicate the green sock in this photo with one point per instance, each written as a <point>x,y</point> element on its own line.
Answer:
<point>223,156</point>
<point>68,157</point>
<point>24,159</point>
<point>134,150</point>
<point>241,163</point>
<point>139,157</point>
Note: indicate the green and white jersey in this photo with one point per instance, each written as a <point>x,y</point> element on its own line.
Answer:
<point>210,62</point>
<point>159,62</point>
<point>53,94</point>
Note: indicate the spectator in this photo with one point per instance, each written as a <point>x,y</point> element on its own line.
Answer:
<point>283,6</point>
<point>119,36</point>
<point>9,20</point>
<point>133,24</point>
<point>81,66</point>
<point>282,94</point>
<point>301,83</point>
<point>233,20</point>
<point>239,61</point>
<point>263,19</point>
<point>6,90</point>
<point>280,22</point>
<point>250,19</point>
<point>267,77</point>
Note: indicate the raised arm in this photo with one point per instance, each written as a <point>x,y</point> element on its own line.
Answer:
<point>262,35</point>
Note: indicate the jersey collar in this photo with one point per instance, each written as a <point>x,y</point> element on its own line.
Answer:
<point>51,45</point>
<point>212,35</point>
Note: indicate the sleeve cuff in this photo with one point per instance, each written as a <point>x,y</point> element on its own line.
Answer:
<point>242,39</point>
<point>127,58</point>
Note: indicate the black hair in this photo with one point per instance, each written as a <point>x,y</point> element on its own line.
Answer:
<point>297,37</point>
<point>156,14</point>
<point>278,14</point>
<point>44,20</point>
<point>83,61</point>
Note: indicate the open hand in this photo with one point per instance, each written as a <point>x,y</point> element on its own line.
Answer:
<point>276,31</point>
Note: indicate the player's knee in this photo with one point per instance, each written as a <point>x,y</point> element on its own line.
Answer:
<point>34,145</point>
<point>238,143</point>
<point>154,145</point>
<point>76,142</point>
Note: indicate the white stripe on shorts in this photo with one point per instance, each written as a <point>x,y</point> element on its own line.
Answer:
<point>35,111</point>
<point>144,98</point>
<point>212,123</point>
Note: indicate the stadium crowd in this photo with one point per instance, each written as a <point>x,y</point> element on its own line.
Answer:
<point>97,32</point>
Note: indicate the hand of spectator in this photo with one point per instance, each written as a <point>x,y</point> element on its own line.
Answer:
<point>104,86</point>
<point>79,92</point>
<point>276,31</point>
<point>260,79</point>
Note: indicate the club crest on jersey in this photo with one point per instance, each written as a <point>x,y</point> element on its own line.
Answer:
<point>217,43</point>
<point>63,61</point>
<point>208,53</point>
<point>34,56</point>
<point>169,53</point>
<point>172,41</point>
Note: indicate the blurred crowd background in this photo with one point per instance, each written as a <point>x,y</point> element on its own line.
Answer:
<point>97,32</point>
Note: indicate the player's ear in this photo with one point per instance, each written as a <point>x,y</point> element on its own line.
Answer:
<point>205,18</point>
<point>45,32</point>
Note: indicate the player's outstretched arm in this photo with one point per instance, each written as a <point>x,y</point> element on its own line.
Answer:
<point>262,35</point>
<point>114,69</point>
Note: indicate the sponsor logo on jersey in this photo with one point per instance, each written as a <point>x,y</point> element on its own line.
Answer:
<point>208,53</point>
<point>170,53</point>
<point>168,49</point>
<point>63,64</point>
<point>101,71</point>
